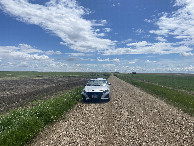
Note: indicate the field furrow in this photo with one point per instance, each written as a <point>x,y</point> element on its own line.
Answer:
<point>18,93</point>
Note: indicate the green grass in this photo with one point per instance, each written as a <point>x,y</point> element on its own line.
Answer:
<point>176,81</point>
<point>182,100</point>
<point>20,126</point>
<point>30,74</point>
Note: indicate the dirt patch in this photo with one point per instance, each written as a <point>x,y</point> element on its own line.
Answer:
<point>16,93</point>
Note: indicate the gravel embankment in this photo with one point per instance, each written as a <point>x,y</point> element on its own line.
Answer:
<point>132,117</point>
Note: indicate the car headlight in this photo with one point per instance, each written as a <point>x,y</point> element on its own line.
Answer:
<point>84,91</point>
<point>105,91</point>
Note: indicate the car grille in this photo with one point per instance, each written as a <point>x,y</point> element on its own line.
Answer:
<point>92,94</point>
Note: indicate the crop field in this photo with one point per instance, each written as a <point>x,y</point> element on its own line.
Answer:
<point>29,74</point>
<point>20,88</point>
<point>175,81</point>
<point>175,89</point>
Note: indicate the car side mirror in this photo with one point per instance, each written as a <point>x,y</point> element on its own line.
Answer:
<point>109,83</point>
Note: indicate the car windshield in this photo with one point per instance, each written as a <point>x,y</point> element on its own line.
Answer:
<point>96,83</point>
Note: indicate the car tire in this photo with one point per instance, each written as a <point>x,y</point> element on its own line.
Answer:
<point>84,99</point>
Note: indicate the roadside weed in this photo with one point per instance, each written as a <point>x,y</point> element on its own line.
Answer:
<point>20,126</point>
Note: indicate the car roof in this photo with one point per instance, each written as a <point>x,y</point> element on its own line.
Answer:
<point>98,79</point>
<point>101,79</point>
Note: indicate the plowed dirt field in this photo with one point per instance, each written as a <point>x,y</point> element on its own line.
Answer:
<point>17,93</point>
<point>132,117</point>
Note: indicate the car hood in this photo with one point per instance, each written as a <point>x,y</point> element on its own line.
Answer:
<point>95,88</point>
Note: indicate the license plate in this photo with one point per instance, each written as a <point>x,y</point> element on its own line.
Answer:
<point>94,96</point>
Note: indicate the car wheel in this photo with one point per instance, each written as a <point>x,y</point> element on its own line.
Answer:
<point>84,99</point>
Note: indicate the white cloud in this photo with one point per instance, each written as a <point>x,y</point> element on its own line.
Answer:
<point>178,24</point>
<point>107,29</point>
<point>108,60</point>
<point>185,54</point>
<point>99,22</point>
<point>71,59</point>
<point>126,41</point>
<point>76,54</point>
<point>116,60</point>
<point>104,22</point>
<point>12,58</point>
<point>103,60</point>
<point>139,44</point>
<point>132,62</point>
<point>97,30</point>
<point>21,52</point>
<point>29,49</point>
<point>161,39</point>
<point>25,57</point>
<point>64,18</point>
<point>116,4</point>
<point>149,48</point>
<point>149,61</point>
<point>139,31</point>
<point>148,21</point>
<point>51,52</point>
<point>101,34</point>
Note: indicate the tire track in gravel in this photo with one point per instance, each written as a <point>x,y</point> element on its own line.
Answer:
<point>132,117</point>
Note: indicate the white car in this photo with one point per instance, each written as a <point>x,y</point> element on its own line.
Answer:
<point>96,89</point>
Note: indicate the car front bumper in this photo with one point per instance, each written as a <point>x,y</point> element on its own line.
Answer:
<point>96,95</point>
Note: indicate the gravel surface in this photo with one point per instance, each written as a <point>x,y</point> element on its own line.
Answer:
<point>132,117</point>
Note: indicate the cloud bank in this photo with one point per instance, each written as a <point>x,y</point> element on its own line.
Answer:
<point>23,52</point>
<point>178,24</point>
<point>64,18</point>
<point>174,34</point>
<point>149,48</point>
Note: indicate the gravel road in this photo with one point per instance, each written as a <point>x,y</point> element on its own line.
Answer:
<point>132,117</point>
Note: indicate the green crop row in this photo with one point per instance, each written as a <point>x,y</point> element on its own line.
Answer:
<point>182,100</point>
<point>20,126</point>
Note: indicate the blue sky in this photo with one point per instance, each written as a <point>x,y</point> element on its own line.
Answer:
<point>97,35</point>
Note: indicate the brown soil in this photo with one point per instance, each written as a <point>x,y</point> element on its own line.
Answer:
<point>17,93</point>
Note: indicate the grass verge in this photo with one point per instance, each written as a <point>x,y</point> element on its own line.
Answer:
<point>182,100</point>
<point>20,126</point>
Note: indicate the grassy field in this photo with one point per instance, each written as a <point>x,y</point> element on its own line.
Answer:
<point>30,74</point>
<point>172,95</point>
<point>20,126</point>
<point>175,81</point>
